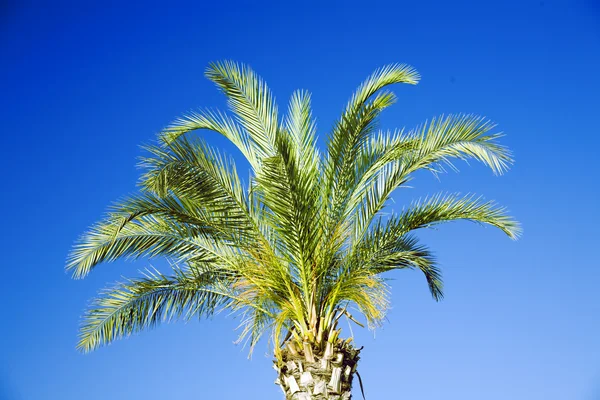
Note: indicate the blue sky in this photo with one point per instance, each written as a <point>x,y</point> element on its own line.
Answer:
<point>83,86</point>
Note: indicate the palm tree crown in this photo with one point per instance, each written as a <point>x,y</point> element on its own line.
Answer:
<point>304,238</point>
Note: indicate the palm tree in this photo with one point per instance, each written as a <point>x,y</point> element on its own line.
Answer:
<point>302,242</point>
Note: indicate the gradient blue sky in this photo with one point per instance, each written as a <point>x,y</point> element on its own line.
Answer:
<point>83,86</point>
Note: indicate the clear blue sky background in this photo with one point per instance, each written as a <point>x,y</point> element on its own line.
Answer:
<point>83,86</point>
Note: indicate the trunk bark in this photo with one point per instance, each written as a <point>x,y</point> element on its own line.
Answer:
<point>318,374</point>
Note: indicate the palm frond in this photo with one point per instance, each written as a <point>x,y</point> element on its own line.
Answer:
<point>451,207</point>
<point>462,137</point>
<point>391,162</point>
<point>215,121</point>
<point>142,226</point>
<point>362,111</point>
<point>302,128</point>
<point>143,303</point>
<point>292,200</point>
<point>383,250</point>
<point>251,100</point>
<point>194,171</point>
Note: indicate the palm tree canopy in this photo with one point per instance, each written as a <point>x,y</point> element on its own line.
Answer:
<point>300,242</point>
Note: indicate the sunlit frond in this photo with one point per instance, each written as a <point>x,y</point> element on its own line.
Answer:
<point>302,129</point>
<point>217,122</point>
<point>462,137</point>
<point>142,226</point>
<point>392,161</point>
<point>362,110</point>
<point>251,101</point>
<point>357,124</point>
<point>451,207</point>
<point>194,171</point>
<point>384,249</point>
<point>143,303</point>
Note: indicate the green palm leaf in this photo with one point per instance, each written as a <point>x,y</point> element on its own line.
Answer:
<point>143,303</point>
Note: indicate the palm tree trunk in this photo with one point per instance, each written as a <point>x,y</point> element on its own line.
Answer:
<point>317,375</point>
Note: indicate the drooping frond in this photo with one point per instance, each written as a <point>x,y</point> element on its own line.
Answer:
<point>410,254</point>
<point>143,225</point>
<point>382,250</point>
<point>444,208</point>
<point>143,303</point>
<point>392,161</point>
<point>462,137</point>
<point>388,246</point>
